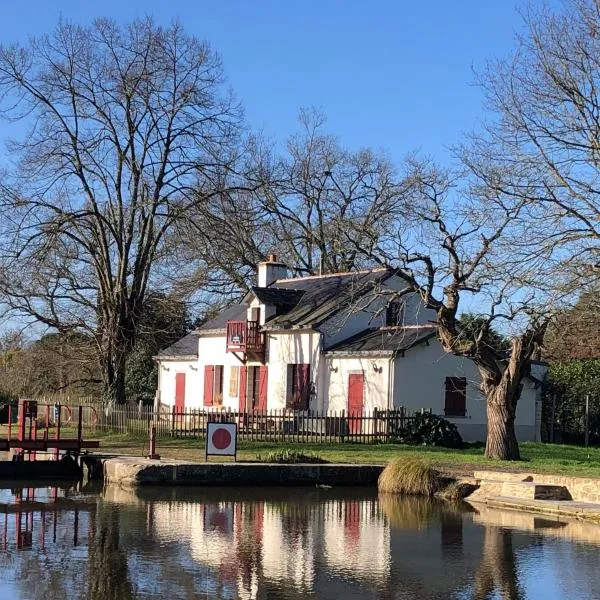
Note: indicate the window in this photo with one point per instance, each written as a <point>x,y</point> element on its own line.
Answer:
<point>298,386</point>
<point>234,382</point>
<point>456,397</point>
<point>213,385</point>
<point>394,314</point>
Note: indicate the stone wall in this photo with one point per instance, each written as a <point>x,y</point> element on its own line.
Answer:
<point>135,471</point>
<point>580,488</point>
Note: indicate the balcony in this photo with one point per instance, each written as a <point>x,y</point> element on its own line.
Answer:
<point>246,337</point>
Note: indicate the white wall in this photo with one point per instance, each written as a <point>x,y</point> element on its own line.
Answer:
<point>419,382</point>
<point>337,371</point>
<point>283,348</point>
<point>292,347</point>
<point>167,369</point>
<point>212,350</point>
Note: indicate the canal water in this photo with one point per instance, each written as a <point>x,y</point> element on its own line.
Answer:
<point>112,544</point>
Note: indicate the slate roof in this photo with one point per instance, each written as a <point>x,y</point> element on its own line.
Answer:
<point>237,312</point>
<point>185,347</point>
<point>282,298</point>
<point>324,295</point>
<point>383,341</point>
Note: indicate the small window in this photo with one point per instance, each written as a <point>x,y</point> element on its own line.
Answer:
<point>394,314</point>
<point>456,397</point>
<point>234,382</point>
<point>298,386</point>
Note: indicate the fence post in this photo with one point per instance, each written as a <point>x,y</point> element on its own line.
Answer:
<point>152,443</point>
<point>587,420</point>
<point>342,425</point>
<point>375,427</point>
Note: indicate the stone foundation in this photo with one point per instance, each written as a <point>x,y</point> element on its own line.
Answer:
<point>131,472</point>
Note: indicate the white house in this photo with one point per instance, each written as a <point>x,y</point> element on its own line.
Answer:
<point>345,341</point>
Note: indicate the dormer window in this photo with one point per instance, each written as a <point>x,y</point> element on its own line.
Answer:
<point>394,314</point>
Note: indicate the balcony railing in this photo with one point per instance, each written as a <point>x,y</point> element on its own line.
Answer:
<point>245,336</point>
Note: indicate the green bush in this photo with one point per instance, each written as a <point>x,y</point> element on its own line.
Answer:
<point>427,429</point>
<point>289,456</point>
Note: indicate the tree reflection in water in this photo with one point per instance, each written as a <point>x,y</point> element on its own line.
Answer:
<point>497,571</point>
<point>108,577</point>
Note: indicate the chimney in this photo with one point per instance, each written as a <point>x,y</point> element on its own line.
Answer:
<point>270,271</point>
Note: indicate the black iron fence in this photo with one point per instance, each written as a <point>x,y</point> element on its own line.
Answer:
<point>272,425</point>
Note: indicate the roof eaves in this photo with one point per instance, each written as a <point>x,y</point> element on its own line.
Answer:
<point>351,353</point>
<point>209,332</point>
<point>173,357</point>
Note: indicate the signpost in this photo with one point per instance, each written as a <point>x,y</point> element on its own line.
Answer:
<point>221,439</point>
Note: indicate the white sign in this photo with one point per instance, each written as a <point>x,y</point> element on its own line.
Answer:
<point>221,439</point>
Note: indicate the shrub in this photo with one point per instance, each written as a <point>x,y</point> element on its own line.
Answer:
<point>411,476</point>
<point>427,429</point>
<point>289,456</point>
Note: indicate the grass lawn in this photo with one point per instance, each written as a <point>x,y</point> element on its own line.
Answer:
<point>537,457</point>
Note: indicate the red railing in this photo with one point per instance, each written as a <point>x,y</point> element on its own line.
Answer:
<point>244,336</point>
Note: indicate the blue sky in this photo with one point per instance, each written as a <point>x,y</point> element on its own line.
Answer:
<point>389,74</point>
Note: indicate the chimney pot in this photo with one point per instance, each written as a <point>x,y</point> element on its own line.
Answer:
<point>270,271</point>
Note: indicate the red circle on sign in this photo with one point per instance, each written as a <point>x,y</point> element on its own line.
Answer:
<point>221,438</point>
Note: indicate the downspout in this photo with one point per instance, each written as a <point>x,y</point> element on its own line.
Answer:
<point>321,376</point>
<point>158,388</point>
<point>391,374</point>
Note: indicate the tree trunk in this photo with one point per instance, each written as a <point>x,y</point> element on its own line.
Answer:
<point>114,378</point>
<point>501,440</point>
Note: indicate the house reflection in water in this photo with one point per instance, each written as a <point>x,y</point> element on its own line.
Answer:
<point>333,547</point>
<point>284,543</point>
<point>269,545</point>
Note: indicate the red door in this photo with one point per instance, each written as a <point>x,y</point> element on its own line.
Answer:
<point>179,392</point>
<point>356,390</point>
<point>262,388</point>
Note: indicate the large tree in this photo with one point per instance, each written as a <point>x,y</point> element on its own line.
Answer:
<point>304,202</point>
<point>164,320</point>
<point>541,145</point>
<point>128,128</point>
<point>459,254</point>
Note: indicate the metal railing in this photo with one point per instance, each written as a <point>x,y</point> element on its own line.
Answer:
<point>283,425</point>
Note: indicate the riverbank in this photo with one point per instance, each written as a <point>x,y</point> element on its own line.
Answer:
<point>555,495</point>
<point>537,457</point>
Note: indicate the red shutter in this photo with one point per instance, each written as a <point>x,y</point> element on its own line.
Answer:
<point>209,378</point>
<point>179,392</point>
<point>243,390</point>
<point>262,388</point>
<point>455,404</point>
<point>303,385</point>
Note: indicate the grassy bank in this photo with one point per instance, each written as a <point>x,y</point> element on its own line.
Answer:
<point>537,457</point>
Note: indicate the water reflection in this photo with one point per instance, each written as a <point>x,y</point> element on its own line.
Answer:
<point>282,544</point>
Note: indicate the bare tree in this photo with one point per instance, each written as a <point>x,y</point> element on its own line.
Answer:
<point>305,202</point>
<point>128,129</point>
<point>543,143</point>
<point>460,252</point>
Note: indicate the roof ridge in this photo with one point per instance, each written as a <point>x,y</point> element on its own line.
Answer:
<point>340,274</point>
